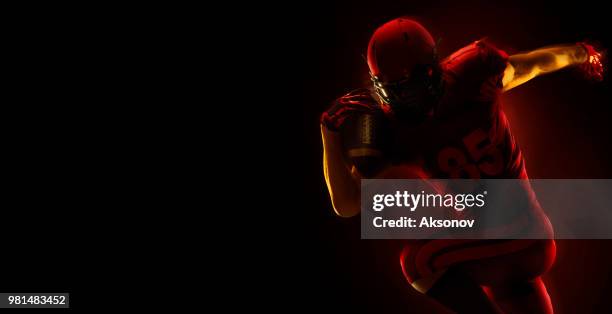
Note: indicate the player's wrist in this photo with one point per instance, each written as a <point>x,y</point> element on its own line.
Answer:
<point>581,54</point>
<point>329,122</point>
<point>331,139</point>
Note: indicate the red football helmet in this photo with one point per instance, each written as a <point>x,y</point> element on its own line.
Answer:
<point>403,65</point>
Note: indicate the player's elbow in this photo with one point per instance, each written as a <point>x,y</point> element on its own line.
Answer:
<point>345,207</point>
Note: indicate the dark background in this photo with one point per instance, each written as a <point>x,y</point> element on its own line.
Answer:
<point>39,152</point>
<point>561,122</point>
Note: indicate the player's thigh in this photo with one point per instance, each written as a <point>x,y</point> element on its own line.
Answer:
<point>524,265</point>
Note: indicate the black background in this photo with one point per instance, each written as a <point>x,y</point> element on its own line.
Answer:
<point>59,233</point>
<point>561,122</point>
<point>41,197</point>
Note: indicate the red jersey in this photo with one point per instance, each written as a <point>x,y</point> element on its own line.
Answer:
<point>468,135</point>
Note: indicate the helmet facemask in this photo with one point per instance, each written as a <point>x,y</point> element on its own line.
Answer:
<point>412,97</point>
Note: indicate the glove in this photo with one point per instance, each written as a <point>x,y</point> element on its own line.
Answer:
<point>362,126</point>
<point>593,66</point>
<point>358,101</point>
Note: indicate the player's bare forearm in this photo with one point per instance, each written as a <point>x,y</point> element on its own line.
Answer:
<point>526,66</point>
<point>342,183</point>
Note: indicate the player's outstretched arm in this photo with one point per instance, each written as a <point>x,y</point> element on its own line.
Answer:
<point>525,66</point>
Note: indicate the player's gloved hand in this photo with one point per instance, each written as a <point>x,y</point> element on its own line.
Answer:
<point>363,129</point>
<point>593,66</point>
<point>359,101</point>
